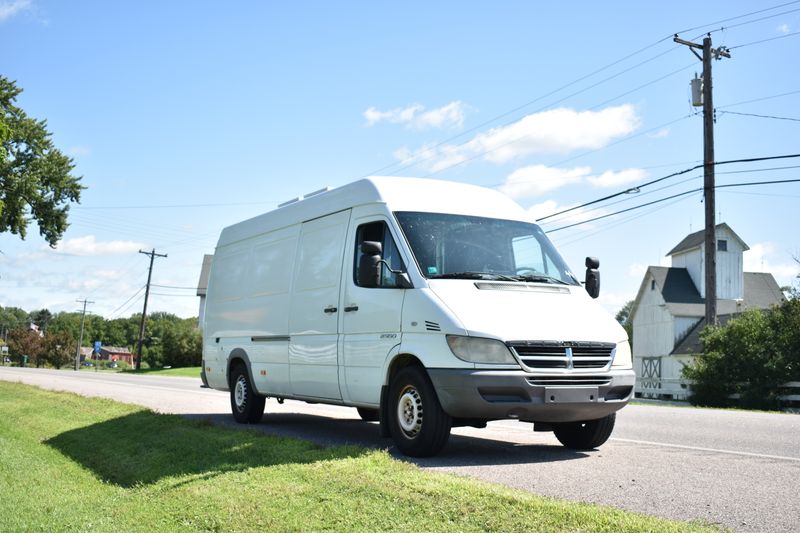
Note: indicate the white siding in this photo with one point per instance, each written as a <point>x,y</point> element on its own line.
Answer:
<point>730,268</point>
<point>652,323</point>
<point>692,261</point>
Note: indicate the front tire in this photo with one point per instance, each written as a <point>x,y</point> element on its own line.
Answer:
<point>585,435</point>
<point>418,424</point>
<point>247,405</point>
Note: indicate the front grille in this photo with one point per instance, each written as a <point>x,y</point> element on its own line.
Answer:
<point>570,381</point>
<point>546,355</point>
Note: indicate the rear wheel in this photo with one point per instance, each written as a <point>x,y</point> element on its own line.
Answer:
<point>247,405</point>
<point>418,425</point>
<point>585,435</point>
<point>367,415</point>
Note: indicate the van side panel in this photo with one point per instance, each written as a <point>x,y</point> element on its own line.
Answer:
<point>248,299</point>
<point>314,307</point>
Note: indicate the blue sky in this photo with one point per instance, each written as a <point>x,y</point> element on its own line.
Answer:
<point>184,117</point>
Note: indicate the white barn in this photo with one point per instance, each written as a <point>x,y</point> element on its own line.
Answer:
<point>668,313</point>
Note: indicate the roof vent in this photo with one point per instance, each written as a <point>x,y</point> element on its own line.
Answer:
<point>432,326</point>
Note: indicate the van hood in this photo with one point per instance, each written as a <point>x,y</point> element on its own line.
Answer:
<point>512,311</point>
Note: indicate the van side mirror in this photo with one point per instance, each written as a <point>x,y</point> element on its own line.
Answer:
<point>592,283</point>
<point>369,264</point>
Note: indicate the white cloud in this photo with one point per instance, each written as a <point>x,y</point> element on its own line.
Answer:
<point>558,131</point>
<point>783,28</point>
<point>415,116</point>
<point>79,150</point>
<point>9,9</point>
<point>637,270</point>
<point>761,258</point>
<point>609,178</point>
<point>537,179</point>
<point>89,246</point>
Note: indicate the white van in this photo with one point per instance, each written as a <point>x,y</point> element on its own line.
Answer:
<point>425,304</point>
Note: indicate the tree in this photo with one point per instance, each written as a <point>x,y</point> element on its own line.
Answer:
<point>747,361</point>
<point>24,341</point>
<point>41,318</point>
<point>59,349</point>
<point>182,344</point>
<point>35,177</point>
<point>625,319</point>
<point>12,318</point>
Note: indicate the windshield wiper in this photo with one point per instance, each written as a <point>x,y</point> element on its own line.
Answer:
<point>474,275</point>
<point>540,278</point>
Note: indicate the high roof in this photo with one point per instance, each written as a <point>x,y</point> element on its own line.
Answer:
<point>202,283</point>
<point>694,240</point>
<point>399,194</point>
<point>761,291</point>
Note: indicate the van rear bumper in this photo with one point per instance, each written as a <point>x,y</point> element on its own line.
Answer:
<point>498,394</point>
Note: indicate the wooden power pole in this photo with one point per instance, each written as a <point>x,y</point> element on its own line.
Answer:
<point>710,258</point>
<point>152,255</point>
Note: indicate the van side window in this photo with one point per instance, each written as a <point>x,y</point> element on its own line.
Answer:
<point>379,231</point>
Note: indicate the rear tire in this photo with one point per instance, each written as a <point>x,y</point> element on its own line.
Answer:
<point>585,435</point>
<point>367,415</point>
<point>417,423</point>
<point>247,405</point>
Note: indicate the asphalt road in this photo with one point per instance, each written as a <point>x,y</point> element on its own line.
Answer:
<point>738,469</point>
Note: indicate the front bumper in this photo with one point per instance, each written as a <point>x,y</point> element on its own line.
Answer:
<point>498,394</point>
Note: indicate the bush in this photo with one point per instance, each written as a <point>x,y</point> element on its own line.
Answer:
<point>745,362</point>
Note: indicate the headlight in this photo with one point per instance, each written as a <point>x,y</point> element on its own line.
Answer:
<point>623,356</point>
<point>478,350</point>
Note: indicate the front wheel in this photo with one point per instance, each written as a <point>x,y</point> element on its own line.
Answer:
<point>247,405</point>
<point>418,424</point>
<point>585,435</point>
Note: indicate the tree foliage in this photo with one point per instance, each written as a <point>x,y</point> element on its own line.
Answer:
<point>625,319</point>
<point>59,349</point>
<point>24,341</point>
<point>746,362</point>
<point>36,181</point>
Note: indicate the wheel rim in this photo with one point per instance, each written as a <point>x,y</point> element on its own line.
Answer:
<point>409,411</point>
<point>240,393</point>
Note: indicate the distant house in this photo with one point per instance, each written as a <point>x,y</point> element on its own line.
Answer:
<point>115,353</point>
<point>668,313</point>
<point>202,287</point>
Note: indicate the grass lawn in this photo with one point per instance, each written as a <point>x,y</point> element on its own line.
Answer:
<point>75,463</point>
<point>189,372</point>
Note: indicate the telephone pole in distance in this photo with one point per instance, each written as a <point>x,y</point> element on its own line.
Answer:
<point>152,255</point>
<point>710,258</point>
<point>80,340</point>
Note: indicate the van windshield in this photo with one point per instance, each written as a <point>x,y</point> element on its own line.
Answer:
<point>466,247</point>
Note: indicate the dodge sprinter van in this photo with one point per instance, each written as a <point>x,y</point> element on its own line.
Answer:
<point>424,304</point>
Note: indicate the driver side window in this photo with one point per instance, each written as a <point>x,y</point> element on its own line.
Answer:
<point>379,232</point>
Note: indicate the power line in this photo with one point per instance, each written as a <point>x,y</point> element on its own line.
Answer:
<point>126,301</point>
<point>759,99</point>
<point>760,19</point>
<point>740,16</point>
<point>759,116</point>
<point>765,40</point>
<point>172,287</point>
<point>674,174</point>
<point>684,193</point>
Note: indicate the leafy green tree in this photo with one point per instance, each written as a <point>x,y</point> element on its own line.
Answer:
<point>625,319</point>
<point>751,357</point>
<point>41,318</point>
<point>12,318</point>
<point>182,344</point>
<point>24,341</point>
<point>35,177</point>
<point>59,349</point>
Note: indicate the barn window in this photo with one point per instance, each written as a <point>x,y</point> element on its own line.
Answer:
<point>652,284</point>
<point>722,245</point>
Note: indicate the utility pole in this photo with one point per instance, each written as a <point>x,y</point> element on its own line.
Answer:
<point>152,255</point>
<point>710,258</point>
<point>80,340</point>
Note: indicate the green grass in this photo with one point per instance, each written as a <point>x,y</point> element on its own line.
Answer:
<point>75,463</point>
<point>189,372</point>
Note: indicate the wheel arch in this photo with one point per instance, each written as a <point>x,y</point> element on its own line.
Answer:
<point>239,356</point>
